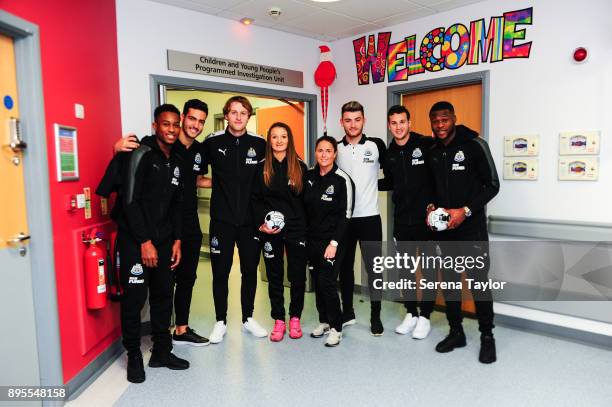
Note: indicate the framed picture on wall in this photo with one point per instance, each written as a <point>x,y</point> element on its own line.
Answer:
<point>66,153</point>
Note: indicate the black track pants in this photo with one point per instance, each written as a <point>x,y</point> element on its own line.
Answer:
<point>325,276</point>
<point>138,281</point>
<point>274,249</point>
<point>185,277</point>
<point>366,229</point>
<point>223,237</point>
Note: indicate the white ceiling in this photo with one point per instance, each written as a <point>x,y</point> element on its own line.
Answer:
<point>322,21</point>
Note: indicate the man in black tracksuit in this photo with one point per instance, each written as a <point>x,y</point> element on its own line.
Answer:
<point>465,181</point>
<point>233,155</point>
<point>192,122</point>
<point>408,175</point>
<point>149,241</point>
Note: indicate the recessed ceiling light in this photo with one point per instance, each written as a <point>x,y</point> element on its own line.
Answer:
<point>247,20</point>
<point>325,1</point>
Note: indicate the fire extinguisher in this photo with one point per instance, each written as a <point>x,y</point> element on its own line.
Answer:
<point>95,273</point>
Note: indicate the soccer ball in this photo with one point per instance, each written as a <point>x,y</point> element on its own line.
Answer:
<point>275,220</point>
<point>438,219</point>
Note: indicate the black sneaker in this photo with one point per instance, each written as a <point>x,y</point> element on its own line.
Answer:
<point>376,326</point>
<point>189,338</point>
<point>455,339</point>
<point>487,349</point>
<point>135,369</point>
<point>169,360</point>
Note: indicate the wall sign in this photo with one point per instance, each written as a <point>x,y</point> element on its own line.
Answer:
<point>228,68</point>
<point>442,48</point>
<point>579,143</point>
<point>521,168</point>
<point>521,145</point>
<point>582,168</point>
<point>66,153</point>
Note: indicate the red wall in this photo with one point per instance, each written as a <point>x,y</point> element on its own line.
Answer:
<point>79,65</point>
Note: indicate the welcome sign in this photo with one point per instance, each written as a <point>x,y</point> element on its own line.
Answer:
<point>442,48</point>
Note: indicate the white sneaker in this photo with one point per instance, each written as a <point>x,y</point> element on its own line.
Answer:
<point>218,332</point>
<point>322,329</point>
<point>349,322</point>
<point>422,329</point>
<point>254,328</point>
<point>407,325</point>
<point>334,338</point>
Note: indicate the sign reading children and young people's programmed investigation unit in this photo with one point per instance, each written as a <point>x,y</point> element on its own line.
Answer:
<point>442,48</point>
<point>228,68</point>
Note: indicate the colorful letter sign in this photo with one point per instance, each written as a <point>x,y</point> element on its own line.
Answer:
<point>442,48</point>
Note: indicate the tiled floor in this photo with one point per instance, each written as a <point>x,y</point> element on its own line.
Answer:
<point>392,370</point>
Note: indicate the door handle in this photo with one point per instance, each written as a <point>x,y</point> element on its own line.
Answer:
<point>15,142</point>
<point>19,238</point>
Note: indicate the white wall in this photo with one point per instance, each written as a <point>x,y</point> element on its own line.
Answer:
<point>145,30</point>
<point>544,94</point>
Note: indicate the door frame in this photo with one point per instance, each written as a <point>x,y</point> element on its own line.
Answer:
<point>26,39</point>
<point>394,97</point>
<point>309,99</point>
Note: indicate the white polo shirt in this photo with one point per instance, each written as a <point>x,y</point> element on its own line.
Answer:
<point>362,162</point>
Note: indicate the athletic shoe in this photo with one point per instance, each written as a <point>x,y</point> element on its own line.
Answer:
<point>169,360</point>
<point>376,326</point>
<point>455,339</point>
<point>422,329</point>
<point>348,318</point>
<point>278,332</point>
<point>407,325</point>
<point>487,349</point>
<point>254,328</point>
<point>135,369</point>
<point>295,330</point>
<point>189,338</point>
<point>318,332</point>
<point>334,338</point>
<point>218,332</point>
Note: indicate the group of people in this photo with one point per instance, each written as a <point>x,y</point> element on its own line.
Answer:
<point>327,209</point>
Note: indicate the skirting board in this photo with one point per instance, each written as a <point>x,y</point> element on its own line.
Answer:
<point>97,366</point>
<point>509,316</point>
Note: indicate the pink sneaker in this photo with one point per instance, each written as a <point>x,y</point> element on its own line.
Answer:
<point>278,332</point>
<point>295,330</point>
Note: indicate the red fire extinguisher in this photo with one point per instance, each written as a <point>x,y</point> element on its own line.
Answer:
<point>95,274</point>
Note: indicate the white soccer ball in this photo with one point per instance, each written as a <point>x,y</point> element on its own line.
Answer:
<point>275,220</point>
<point>438,219</point>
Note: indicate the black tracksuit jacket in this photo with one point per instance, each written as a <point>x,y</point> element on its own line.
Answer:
<point>233,161</point>
<point>407,173</point>
<point>193,165</point>
<point>279,196</point>
<point>151,194</point>
<point>329,202</point>
<point>464,175</point>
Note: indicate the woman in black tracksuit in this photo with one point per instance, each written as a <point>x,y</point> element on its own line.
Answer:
<point>329,201</point>
<point>279,187</point>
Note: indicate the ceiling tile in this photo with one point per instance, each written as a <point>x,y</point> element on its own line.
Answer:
<point>372,10</point>
<point>258,9</point>
<point>402,18</point>
<point>190,5</point>
<point>445,5</point>
<point>220,4</point>
<point>353,31</point>
<point>322,22</point>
